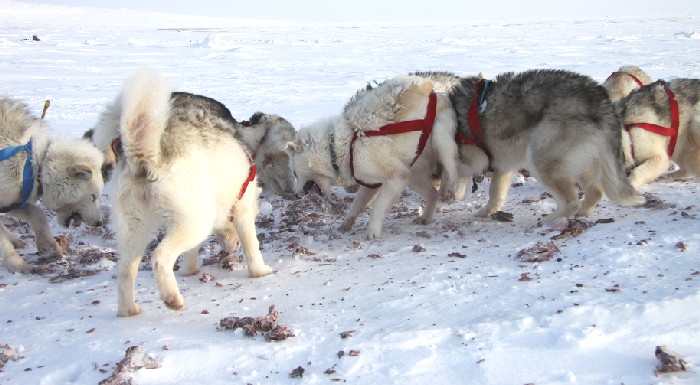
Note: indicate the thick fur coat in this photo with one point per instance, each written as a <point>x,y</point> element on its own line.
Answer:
<point>182,170</point>
<point>321,152</point>
<point>67,180</point>
<point>559,125</point>
<point>647,152</point>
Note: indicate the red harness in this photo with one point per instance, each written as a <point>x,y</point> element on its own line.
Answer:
<point>474,122</point>
<point>424,125</point>
<point>636,80</point>
<point>251,171</point>
<point>671,132</point>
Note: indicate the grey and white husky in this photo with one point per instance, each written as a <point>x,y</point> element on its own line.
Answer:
<point>559,125</point>
<point>63,173</point>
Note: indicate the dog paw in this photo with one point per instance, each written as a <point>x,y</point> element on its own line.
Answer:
<point>373,233</point>
<point>260,271</point>
<point>129,311</point>
<point>485,212</point>
<point>187,271</point>
<point>175,302</point>
<point>19,243</point>
<point>15,264</point>
<point>421,221</point>
<point>345,227</point>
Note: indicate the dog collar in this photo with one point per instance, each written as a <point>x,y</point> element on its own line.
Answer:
<point>424,125</point>
<point>27,175</point>
<point>671,132</point>
<point>334,155</point>
<point>477,107</point>
<point>251,177</point>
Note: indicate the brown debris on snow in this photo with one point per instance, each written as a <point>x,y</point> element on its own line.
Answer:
<point>297,373</point>
<point>539,253</point>
<point>8,354</point>
<point>134,359</point>
<point>502,216</point>
<point>348,333</point>
<point>252,325</point>
<point>669,362</point>
<point>574,228</point>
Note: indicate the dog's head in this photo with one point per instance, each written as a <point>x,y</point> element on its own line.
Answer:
<point>310,165</point>
<point>71,177</point>
<point>271,159</point>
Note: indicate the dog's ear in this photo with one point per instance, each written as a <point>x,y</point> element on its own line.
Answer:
<point>292,147</point>
<point>81,172</point>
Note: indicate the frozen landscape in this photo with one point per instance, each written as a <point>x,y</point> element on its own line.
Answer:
<point>462,300</point>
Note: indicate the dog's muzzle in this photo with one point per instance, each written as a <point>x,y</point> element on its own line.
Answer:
<point>312,186</point>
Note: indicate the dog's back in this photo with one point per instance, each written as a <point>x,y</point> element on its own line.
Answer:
<point>16,123</point>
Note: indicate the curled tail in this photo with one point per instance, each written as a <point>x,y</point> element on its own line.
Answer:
<point>145,112</point>
<point>615,183</point>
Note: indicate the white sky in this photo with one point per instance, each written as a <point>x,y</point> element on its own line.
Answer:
<point>402,10</point>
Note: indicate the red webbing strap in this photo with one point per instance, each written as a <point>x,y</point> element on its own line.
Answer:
<point>475,122</point>
<point>424,125</point>
<point>251,177</point>
<point>636,80</point>
<point>671,132</point>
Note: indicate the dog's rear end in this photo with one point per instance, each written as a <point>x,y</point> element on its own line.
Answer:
<point>183,170</point>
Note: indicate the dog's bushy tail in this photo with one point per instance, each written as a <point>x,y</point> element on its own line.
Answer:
<point>145,112</point>
<point>615,183</point>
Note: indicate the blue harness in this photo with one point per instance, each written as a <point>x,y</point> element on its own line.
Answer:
<point>27,175</point>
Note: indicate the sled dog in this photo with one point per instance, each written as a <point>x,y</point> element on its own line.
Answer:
<point>559,125</point>
<point>263,134</point>
<point>662,123</point>
<point>625,80</point>
<point>386,138</point>
<point>183,170</point>
<point>63,173</point>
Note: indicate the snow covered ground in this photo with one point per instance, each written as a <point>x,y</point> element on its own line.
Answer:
<point>457,301</point>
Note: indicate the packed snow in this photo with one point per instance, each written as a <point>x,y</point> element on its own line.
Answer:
<point>462,300</point>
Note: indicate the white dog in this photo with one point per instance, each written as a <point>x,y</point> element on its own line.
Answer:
<point>353,148</point>
<point>182,170</point>
<point>64,174</point>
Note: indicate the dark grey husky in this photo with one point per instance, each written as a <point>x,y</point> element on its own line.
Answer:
<point>559,125</point>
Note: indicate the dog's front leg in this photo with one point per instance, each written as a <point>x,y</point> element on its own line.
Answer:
<point>388,195</point>
<point>500,183</point>
<point>10,259</point>
<point>45,243</point>
<point>362,199</point>
<point>243,215</point>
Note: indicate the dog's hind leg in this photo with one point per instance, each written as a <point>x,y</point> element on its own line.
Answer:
<point>565,194</point>
<point>388,195</point>
<point>363,197</point>
<point>132,244</point>
<point>425,188</point>
<point>191,259</point>
<point>498,190</point>
<point>592,194</point>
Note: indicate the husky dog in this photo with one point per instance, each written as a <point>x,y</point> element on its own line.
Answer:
<point>353,148</point>
<point>559,125</point>
<point>625,80</point>
<point>264,134</point>
<point>182,170</point>
<point>64,174</point>
<point>662,121</point>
